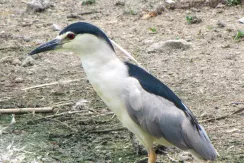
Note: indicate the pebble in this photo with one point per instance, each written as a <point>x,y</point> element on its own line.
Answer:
<point>119,3</point>
<point>194,19</point>
<point>80,105</point>
<point>168,45</point>
<point>169,1</point>
<point>220,24</point>
<point>30,72</point>
<point>160,8</point>
<point>29,61</point>
<point>56,27</point>
<point>241,20</point>
<point>148,41</point>
<point>185,157</point>
<point>18,80</point>
<point>220,5</point>
<point>38,5</point>
<point>16,61</point>
<point>170,4</point>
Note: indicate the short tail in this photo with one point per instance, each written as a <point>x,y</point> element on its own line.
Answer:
<point>202,147</point>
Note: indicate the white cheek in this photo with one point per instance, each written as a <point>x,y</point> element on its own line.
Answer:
<point>82,44</point>
<point>70,45</point>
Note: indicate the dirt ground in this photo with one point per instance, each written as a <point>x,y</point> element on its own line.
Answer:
<point>208,77</point>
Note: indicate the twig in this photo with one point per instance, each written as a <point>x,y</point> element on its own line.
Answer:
<point>61,114</point>
<point>10,47</point>
<point>53,83</point>
<point>223,117</point>
<point>236,103</point>
<point>89,12</point>
<point>25,110</point>
<point>64,124</point>
<point>108,130</point>
<point>69,112</point>
<point>171,159</point>
<point>63,104</point>
<point>105,114</point>
<point>141,160</point>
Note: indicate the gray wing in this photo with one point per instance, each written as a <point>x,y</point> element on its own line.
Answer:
<point>161,118</point>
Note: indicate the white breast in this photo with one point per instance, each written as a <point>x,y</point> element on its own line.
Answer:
<point>107,79</point>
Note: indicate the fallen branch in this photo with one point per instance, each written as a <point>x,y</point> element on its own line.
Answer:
<point>53,83</point>
<point>25,110</point>
<point>60,114</point>
<point>223,117</point>
<point>109,130</point>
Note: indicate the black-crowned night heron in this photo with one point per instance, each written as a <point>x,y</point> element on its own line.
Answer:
<point>142,103</point>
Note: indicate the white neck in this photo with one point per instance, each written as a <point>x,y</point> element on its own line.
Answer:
<point>98,57</point>
<point>106,73</point>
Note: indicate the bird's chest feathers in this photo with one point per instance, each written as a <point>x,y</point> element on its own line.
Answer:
<point>107,80</point>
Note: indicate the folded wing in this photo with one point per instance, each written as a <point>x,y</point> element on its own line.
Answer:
<point>154,107</point>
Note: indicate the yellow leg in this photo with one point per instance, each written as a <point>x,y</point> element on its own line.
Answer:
<point>151,156</point>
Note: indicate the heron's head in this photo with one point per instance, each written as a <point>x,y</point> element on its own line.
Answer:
<point>80,37</point>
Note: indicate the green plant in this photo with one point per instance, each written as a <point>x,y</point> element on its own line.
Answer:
<point>233,2</point>
<point>88,2</point>
<point>193,19</point>
<point>153,30</point>
<point>130,12</point>
<point>188,19</point>
<point>239,35</point>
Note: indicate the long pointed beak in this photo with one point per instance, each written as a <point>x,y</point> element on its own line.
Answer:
<point>51,45</point>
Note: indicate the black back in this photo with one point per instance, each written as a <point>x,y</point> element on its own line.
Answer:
<point>152,85</point>
<point>83,27</point>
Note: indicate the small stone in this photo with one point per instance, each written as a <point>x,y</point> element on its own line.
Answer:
<point>193,19</point>
<point>204,114</point>
<point>148,41</point>
<point>80,105</point>
<point>30,72</point>
<point>170,4</point>
<point>18,80</point>
<point>38,5</point>
<point>169,45</point>
<point>220,5</point>
<point>185,157</point>
<point>56,27</point>
<point>29,61</point>
<point>169,1</point>
<point>160,8</point>
<point>225,46</point>
<point>220,24</point>
<point>16,61</point>
<point>119,3</point>
<point>26,39</point>
<point>241,20</point>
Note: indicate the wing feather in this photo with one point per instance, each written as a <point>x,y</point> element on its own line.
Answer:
<point>154,107</point>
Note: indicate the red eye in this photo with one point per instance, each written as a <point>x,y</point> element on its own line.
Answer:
<point>71,36</point>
